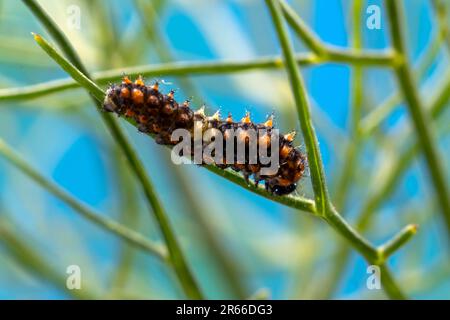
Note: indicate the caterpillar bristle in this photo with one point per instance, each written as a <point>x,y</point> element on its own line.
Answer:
<point>215,116</point>
<point>269,122</point>
<point>246,119</point>
<point>229,118</point>
<point>139,81</point>
<point>200,112</point>
<point>126,80</point>
<point>290,136</point>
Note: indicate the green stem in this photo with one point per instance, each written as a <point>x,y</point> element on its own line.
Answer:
<point>299,203</point>
<point>389,284</point>
<point>302,29</point>
<point>349,164</point>
<point>352,236</point>
<point>420,118</point>
<point>176,257</point>
<point>441,13</point>
<point>330,53</point>
<point>180,69</point>
<point>323,205</point>
<point>225,262</point>
<point>294,202</point>
<point>398,241</point>
<point>102,221</point>
<point>303,110</point>
<point>55,32</point>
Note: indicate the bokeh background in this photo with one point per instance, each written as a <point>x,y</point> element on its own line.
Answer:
<point>274,251</point>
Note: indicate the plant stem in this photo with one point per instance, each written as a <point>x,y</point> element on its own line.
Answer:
<point>183,68</point>
<point>302,29</point>
<point>323,205</point>
<point>176,257</point>
<point>54,31</point>
<point>294,202</point>
<point>389,284</point>
<point>419,116</point>
<point>299,203</point>
<point>330,53</point>
<point>226,263</point>
<point>353,237</point>
<point>349,164</point>
<point>102,221</point>
<point>302,105</point>
<point>401,164</point>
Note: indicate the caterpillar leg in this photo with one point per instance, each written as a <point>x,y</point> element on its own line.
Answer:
<point>257,179</point>
<point>246,176</point>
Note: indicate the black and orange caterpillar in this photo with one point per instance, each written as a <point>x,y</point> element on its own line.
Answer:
<point>160,114</point>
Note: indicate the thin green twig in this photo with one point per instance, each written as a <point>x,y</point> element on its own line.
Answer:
<point>294,202</point>
<point>302,105</point>
<point>176,256</point>
<point>323,205</point>
<point>226,263</point>
<point>302,30</point>
<point>180,69</point>
<point>102,221</point>
<point>177,259</point>
<point>376,198</point>
<point>54,31</point>
<point>328,52</point>
<point>349,163</point>
<point>420,118</point>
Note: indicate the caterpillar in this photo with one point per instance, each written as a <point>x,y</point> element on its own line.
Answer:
<point>160,114</point>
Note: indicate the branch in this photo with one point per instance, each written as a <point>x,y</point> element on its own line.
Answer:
<point>399,240</point>
<point>102,221</point>
<point>294,202</point>
<point>349,164</point>
<point>328,52</point>
<point>323,205</point>
<point>420,118</point>
<point>302,105</point>
<point>182,69</point>
<point>176,257</point>
<point>374,201</point>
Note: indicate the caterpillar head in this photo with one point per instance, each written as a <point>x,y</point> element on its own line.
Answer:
<point>282,190</point>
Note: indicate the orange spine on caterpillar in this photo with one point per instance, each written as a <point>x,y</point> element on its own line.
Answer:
<point>160,114</point>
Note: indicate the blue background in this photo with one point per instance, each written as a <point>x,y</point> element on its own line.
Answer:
<point>287,253</point>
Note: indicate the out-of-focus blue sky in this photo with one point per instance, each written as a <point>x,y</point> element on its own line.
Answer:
<point>277,249</point>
